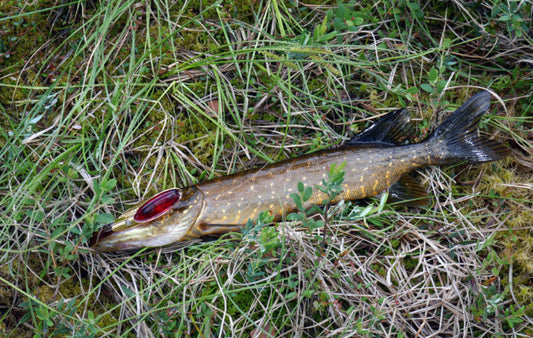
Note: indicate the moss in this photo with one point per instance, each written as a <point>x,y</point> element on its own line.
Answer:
<point>47,291</point>
<point>500,178</point>
<point>518,249</point>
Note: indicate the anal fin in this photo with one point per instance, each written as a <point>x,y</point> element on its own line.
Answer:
<point>409,191</point>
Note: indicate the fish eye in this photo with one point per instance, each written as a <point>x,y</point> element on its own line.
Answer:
<point>157,205</point>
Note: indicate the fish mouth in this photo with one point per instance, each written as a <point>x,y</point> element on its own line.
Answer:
<point>165,218</point>
<point>143,213</point>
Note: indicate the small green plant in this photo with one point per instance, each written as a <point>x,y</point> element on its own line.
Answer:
<point>320,33</point>
<point>331,186</point>
<point>252,227</point>
<point>514,316</point>
<point>304,195</point>
<point>490,302</point>
<point>435,85</point>
<point>102,191</point>
<point>265,238</point>
<point>103,188</point>
<point>510,13</point>
<point>347,18</point>
<point>43,318</point>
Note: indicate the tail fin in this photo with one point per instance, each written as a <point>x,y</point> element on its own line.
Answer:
<point>456,139</point>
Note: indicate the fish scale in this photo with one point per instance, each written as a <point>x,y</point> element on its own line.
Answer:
<point>235,200</point>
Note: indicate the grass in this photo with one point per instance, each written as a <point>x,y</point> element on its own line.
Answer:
<point>104,104</point>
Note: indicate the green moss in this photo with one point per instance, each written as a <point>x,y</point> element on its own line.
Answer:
<point>18,41</point>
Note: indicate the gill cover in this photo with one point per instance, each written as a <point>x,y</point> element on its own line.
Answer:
<point>163,219</point>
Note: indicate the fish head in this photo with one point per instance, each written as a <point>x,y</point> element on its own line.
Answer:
<point>161,220</point>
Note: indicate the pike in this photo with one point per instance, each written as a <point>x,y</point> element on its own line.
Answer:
<point>375,161</point>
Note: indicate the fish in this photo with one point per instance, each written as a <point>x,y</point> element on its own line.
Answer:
<point>376,160</point>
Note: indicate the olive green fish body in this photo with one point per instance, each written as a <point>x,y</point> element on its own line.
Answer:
<point>369,170</point>
<point>375,160</point>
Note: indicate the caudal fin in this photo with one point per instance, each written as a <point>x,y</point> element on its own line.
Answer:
<point>457,140</point>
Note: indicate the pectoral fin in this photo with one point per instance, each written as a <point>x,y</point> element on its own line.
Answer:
<point>202,230</point>
<point>409,191</point>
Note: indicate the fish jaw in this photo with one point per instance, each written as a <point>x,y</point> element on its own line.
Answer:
<point>129,234</point>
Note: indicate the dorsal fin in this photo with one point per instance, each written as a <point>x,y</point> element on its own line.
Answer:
<point>390,129</point>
